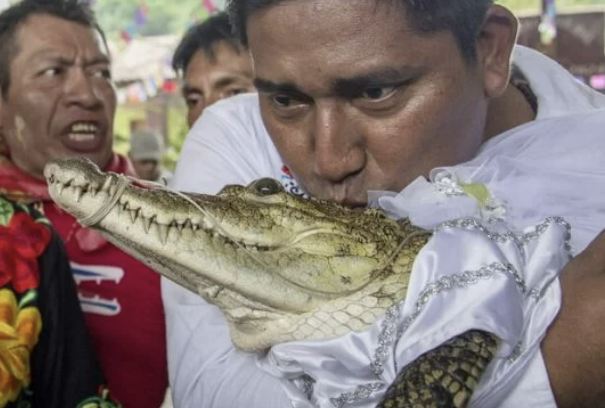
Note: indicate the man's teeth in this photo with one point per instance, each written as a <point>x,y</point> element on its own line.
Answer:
<point>83,128</point>
<point>81,137</point>
<point>83,132</point>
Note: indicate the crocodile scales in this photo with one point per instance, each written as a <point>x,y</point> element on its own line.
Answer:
<point>280,267</point>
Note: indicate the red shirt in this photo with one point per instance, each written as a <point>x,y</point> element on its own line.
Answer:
<point>123,308</point>
<point>119,295</point>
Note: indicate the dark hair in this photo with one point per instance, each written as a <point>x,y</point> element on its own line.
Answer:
<point>463,18</point>
<point>13,17</point>
<point>203,37</point>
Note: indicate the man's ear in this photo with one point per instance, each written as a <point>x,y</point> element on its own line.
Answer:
<point>494,49</point>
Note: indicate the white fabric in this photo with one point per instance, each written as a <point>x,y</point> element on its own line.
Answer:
<point>564,161</point>
<point>496,303</point>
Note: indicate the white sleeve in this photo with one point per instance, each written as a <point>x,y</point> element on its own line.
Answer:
<point>205,369</point>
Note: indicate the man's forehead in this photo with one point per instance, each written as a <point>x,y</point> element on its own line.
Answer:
<point>48,35</point>
<point>226,64</point>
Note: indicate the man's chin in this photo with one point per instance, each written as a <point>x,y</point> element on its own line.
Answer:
<point>102,157</point>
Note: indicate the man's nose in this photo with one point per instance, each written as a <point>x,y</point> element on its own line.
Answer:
<point>80,90</point>
<point>339,151</point>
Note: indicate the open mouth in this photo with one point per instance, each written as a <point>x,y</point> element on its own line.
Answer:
<point>77,190</point>
<point>69,193</point>
<point>84,136</point>
<point>83,131</point>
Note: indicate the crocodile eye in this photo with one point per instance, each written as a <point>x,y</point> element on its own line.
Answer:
<point>266,186</point>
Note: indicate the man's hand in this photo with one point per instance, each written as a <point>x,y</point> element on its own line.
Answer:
<point>574,348</point>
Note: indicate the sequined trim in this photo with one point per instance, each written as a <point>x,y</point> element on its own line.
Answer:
<point>474,224</point>
<point>361,392</point>
<point>535,293</point>
<point>460,281</point>
<point>520,240</point>
<point>542,227</point>
<point>308,386</point>
<point>516,353</point>
<point>386,339</point>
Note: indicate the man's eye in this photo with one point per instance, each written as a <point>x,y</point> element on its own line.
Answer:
<point>51,72</point>
<point>237,91</point>
<point>102,73</point>
<point>378,93</point>
<point>284,101</point>
<point>289,106</point>
<point>192,100</point>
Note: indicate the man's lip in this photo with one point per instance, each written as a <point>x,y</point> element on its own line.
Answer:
<point>85,120</point>
<point>78,140</point>
<point>84,145</point>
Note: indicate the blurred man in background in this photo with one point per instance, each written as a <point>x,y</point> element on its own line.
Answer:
<point>213,64</point>
<point>146,153</point>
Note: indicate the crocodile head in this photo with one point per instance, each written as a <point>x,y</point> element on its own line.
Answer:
<point>280,267</point>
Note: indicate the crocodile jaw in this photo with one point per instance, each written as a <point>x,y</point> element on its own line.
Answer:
<point>269,297</point>
<point>168,233</point>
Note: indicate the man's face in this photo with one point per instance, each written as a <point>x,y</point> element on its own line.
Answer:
<point>356,101</point>
<point>207,81</point>
<point>147,169</point>
<point>61,101</point>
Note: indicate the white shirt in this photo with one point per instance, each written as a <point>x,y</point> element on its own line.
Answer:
<point>229,145</point>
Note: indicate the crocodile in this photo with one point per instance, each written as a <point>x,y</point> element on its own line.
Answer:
<point>281,268</point>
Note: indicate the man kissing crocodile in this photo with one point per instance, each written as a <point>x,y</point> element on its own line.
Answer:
<point>441,314</point>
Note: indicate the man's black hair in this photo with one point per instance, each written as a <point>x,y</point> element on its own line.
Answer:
<point>203,37</point>
<point>463,18</point>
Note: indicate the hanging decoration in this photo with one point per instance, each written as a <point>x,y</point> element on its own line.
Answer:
<point>140,18</point>
<point>548,24</point>
<point>163,80</point>
<point>209,6</point>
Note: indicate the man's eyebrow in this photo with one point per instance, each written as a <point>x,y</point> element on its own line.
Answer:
<point>188,89</point>
<point>346,87</point>
<point>263,85</point>
<point>99,59</point>
<point>225,81</point>
<point>61,59</point>
<point>382,77</point>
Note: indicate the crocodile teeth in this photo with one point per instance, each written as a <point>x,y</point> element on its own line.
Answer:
<point>134,214</point>
<point>147,223</point>
<point>163,232</point>
<point>91,190</point>
<point>106,184</point>
<point>119,208</point>
<point>176,225</point>
<point>60,187</point>
<point>78,191</point>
